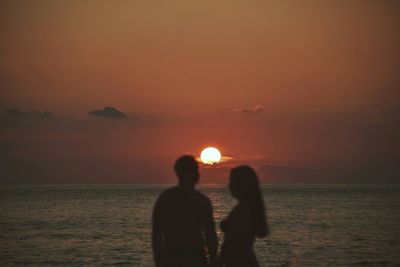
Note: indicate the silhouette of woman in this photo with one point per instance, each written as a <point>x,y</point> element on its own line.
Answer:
<point>245,222</point>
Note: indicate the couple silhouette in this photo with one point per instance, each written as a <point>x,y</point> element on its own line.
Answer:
<point>183,228</point>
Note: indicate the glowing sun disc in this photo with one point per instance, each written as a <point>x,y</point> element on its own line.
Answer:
<point>210,155</point>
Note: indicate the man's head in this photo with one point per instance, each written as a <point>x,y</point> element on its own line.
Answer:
<point>187,170</point>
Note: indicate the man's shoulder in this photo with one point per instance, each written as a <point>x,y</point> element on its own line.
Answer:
<point>176,192</point>
<point>201,196</point>
<point>168,192</point>
<point>202,200</point>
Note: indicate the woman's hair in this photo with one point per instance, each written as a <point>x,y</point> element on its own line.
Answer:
<point>247,184</point>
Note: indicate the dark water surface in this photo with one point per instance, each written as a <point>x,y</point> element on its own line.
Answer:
<point>106,225</point>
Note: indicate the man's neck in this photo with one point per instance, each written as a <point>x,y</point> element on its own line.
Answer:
<point>186,187</point>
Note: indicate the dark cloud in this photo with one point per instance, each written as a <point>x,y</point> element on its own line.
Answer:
<point>15,112</point>
<point>41,114</point>
<point>254,109</point>
<point>108,112</point>
<point>32,113</point>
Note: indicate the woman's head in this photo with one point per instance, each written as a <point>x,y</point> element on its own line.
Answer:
<point>243,182</point>
<point>244,186</point>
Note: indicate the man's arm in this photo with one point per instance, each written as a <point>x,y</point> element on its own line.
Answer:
<point>156,234</point>
<point>211,235</point>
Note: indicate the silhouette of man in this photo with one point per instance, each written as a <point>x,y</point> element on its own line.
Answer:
<point>183,225</point>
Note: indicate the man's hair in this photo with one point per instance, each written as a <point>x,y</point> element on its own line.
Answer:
<point>185,165</point>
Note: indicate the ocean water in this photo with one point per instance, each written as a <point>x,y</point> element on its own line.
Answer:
<point>108,225</point>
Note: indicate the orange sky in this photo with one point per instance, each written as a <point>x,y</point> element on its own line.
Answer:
<point>193,73</point>
<point>190,56</point>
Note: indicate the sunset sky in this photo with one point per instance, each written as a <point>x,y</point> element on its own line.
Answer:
<point>304,91</point>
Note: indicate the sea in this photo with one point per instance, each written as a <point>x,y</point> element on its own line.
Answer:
<point>110,225</point>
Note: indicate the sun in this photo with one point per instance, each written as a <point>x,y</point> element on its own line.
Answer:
<point>210,155</point>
